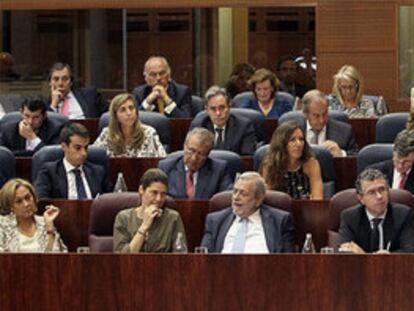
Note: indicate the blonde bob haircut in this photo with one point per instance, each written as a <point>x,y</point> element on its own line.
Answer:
<point>116,139</point>
<point>349,73</point>
<point>8,194</point>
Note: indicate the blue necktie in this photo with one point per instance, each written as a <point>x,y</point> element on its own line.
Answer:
<point>80,188</point>
<point>240,238</point>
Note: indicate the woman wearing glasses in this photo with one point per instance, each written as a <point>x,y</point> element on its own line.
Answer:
<point>347,95</point>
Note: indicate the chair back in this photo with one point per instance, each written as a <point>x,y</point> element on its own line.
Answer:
<point>372,154</point>
<point>102,217</point>
<point>239,99</point>
<point>299,118</point>
<point>197,104</point>
<point>16,116</point>
<point>7,165</point>
<point>11,102</point>
<point>389,126</point>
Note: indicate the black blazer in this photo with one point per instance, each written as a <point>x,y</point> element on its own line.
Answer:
<point>49,134</point>
<point>398,228</point>
<point>181,95</point>
<point>387,167</point>
<point>52,180</point>
<point>240,136</point>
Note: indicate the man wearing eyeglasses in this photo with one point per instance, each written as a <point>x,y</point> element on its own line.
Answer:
<point>376,225</point>
<point>162,94</point>
<point>193,174</point>
<point>231,131</point>
<point>399,169</point>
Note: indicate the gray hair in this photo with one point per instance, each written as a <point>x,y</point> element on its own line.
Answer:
<point>260,189</point>
<point>156,58</point>
<point>213,91</point>
<point>204,136</point>
<point>404,143</point>
<point>312,96</point>
<point>369,174</point>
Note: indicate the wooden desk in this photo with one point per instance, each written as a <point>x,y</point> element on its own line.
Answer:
<point>206,282</point>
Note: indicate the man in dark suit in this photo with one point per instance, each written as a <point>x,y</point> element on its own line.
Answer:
<point>72,177</point>
<point>33,131</point>
<point>399,169</point>
<point>160,93</point>
<point>75,103</point>
<point>249,226</point>
<point>287,71</point>
<point>232,132</point>
<point>376,225</point>
<point>194,174</point>
<point>334,135</point>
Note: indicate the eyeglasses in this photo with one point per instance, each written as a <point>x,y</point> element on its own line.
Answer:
<point>348,87</point>
<point>379,190</point>
<point>192,152</point>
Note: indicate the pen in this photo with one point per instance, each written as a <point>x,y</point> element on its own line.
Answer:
<point>388,246</point>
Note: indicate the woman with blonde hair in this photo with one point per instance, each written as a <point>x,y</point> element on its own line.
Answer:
<point>347,95</point>
<point>290,166</point>
<point>21,230</point>
<point>125,134</point>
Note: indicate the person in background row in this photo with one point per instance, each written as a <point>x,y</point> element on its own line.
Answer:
<point>6,67</point>
<point>399,169</point>
<point>320,129</point>
<point>125,134</point>
<point>33,131</point>
<point>249,226</point>
<point>239,76</point>
<point>75,103</point>
<point>376,225</point>
<point>161,93</point>
<point>231,131</point>
<point>73,177</point>
<point>347,95</point>
<point>21,230</point>
<point>150,227</point>
<point>267,101</point>
<point>287,72</point>
<point>194,175</point>
<point>290,166</point>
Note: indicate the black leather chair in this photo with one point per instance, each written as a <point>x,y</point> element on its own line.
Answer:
<point>299,118</point>
<point>197,104</point>
<point>239,99</point>
<point>7,165</point>
<point>11,102</point>
<point>16,116</point>
<point>372,154</point>
<point>325,161</point>
<point>389,126</point>
<point>158,121</point>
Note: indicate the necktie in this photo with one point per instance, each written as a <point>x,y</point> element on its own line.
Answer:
<point>161,105</point>
<point>219,140</point>
<point>80,188</point>
<point>65,106</point>
<point>315,136</point>
<point>375,236</point>
<point>403,179</point>
<point>189,186</point>
<point>240,238</point>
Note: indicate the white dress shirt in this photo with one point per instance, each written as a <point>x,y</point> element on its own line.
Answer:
<point>75,109</point>
<point>310,134</point>
<point>72,192</point>
<point>396,179</point>
<point>255,239</point>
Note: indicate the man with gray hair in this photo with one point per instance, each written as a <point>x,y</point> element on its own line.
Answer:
<point>231,132</point>
<point>399,169</point>
<point>194,174</point>
<point>249,226</point>
<point>162,94</point>
<point>331,134</point>
<point>376,225</point>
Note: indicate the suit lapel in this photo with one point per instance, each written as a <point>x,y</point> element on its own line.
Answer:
<point>82,102</point>
<point>409,185</point>
<point>62,179</point>
<point>179,179</point>
<point>203,179</point>
<point>230,128</point>
<point>365,230</point>
<point>269,230</point>
<point>388,227</point>
<point>224,229</point>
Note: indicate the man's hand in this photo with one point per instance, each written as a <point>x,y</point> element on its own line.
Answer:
<point>351,247</point>
<point>158,92</point>
<point>26,131</point>
<point>333,148</point>
<point>56,97</point>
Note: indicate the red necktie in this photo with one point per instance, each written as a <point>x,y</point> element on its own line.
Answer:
<point>402,180</point>
<point>189,189</point>
<point>65,107</point>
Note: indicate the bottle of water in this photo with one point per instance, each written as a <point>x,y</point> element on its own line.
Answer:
<point>120,185</point>
<point>308,246</point>
<point>180,245</point>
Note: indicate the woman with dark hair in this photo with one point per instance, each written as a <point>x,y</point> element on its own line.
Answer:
<point>125,134</point>
<point>290,165</point>
<point>21,230</point>
<point>267,101</point>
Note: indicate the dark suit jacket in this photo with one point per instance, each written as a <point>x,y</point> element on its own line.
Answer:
<point>49,134</point>
<point>277,225</point>
<point>213,177</point>
<point>91,102</point>
<point>181,95</point>
<point>341,133</point>
<point>52,180</point>
<point>240,136</point>
<point>398,228</point>
<point>387,167</point>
